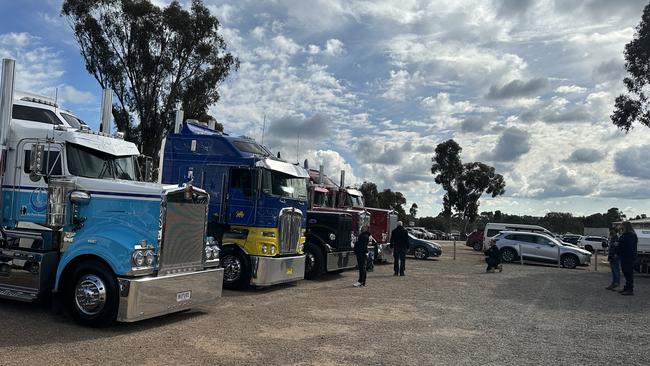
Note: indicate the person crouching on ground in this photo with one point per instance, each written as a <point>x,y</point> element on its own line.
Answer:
<point>614,260</point>
<point>361,251</point>
<point>493,258</point>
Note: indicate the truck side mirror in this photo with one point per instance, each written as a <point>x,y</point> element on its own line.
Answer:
<point>36,162</point>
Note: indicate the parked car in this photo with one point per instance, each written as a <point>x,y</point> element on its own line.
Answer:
<point>539,248</point>
<point>416,232</point>
<point>571,238</point>
<point>423,249</point>
<point>493,228</point>
<point>592,243</point>
<point>475,240</point>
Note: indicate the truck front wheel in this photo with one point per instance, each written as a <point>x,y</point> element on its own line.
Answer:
<point>314,261</point>
<point>236,270</point>
<point>92,297</point>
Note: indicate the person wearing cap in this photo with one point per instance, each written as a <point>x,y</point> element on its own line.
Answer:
<point>399,242</point>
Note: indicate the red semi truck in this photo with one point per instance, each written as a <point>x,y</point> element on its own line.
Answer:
<point>382,221</point>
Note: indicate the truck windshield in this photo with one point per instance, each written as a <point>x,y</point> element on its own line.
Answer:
<point>89,163</point>
<point>284,185</point>
<point>321,199</point>
<point>73,121</point>
<point>353,201</point>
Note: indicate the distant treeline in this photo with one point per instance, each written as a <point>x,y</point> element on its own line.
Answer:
<point>557,222</point>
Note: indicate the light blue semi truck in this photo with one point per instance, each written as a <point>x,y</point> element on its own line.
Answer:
<point>80,222</point>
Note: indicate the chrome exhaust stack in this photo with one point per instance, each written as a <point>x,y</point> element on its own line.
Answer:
<point>107,109</point>
<point>179,118</point>
<point>6,98</point>
<point>342,178</point>
<point>6,106</point>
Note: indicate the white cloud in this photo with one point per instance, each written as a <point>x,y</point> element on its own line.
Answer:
<point>334,47</point>
<point>568,89</point>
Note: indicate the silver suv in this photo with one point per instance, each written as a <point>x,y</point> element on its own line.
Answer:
<point>539,248</point>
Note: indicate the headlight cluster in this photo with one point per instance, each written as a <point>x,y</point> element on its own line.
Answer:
<point>143,257</point>
<point>332,236</point>
<point>268,249</point>
<point>211,250</point>
<point>301,248</point>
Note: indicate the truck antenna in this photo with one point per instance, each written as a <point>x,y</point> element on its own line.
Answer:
<point>263,128</point>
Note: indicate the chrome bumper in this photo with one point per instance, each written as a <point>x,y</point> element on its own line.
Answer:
<point>269,271</point>
<point>385,252</point>
<point>143,298</point>
<point>341,260</point>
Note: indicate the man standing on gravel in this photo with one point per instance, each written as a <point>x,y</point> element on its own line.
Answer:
<point>399,241</point>
<point>627,247</point>
<point>361,251</point>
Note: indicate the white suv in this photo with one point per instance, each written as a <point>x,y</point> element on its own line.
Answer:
<point>539,248</point>
<point>592,243</point>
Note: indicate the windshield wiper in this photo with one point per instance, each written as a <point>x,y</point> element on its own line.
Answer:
<point>105,168</point>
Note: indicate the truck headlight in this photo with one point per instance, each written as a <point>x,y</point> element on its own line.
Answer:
<point>208,253</point>
<point>272,249</point>
<point>332,236</point>
<point>138,258</point>
<point>264,248</point>
<point>148,258</point>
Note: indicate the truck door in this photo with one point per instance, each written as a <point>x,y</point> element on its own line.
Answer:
<point>240,197</point>
<point>214,180</point>
<point>30,197</point>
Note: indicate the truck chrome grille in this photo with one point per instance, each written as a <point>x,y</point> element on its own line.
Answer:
<point>183,233</point>
<point>290,225</point>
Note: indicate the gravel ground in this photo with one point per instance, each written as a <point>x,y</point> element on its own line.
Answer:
<point>443,312</point>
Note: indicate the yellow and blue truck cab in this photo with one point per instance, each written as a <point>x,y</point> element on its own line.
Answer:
<point>258,204</point>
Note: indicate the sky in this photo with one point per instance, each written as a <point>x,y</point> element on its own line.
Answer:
<point>373,86</point>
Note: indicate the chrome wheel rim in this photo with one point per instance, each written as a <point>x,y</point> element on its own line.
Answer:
<point>90,294</point>
<point>508,256</point>
<point>309,261</point>
<point>569,262</point>
<point>420,253</point>
<point>231,268</point>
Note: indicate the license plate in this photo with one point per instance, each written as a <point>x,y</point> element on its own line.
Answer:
<point>289,270</point>
<point>183,296</point>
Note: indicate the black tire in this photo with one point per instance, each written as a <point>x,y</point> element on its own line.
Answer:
<point>477,246</point>
<point>508,255</point>
<point>569,261</point>
<point>91,295</point>
<point>420,252</point>
<point>314,261</point>
<point>589,248</point>
<point>236,269</point>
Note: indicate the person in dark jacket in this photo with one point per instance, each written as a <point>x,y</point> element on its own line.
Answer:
<point>493,259</point>
<point>361,251</point>
<point>399,242</point>
<point>614,260</point>
<point>627,247</point>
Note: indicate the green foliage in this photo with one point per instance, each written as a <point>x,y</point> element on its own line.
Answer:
<point>386,199</point>
<point>152,58</point>
<point>464,184</point>
<point>370,194</point>
<point>557,222</point>
<point>413,211</point>
<point>633,106</point>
